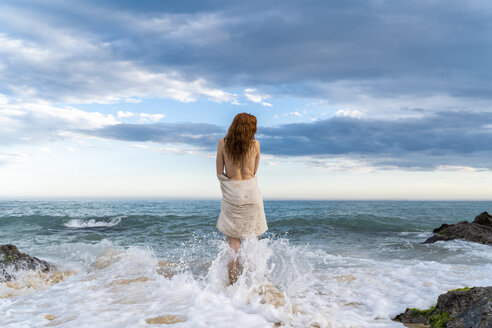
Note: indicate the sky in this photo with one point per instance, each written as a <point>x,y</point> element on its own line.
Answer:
<point>355,100</point>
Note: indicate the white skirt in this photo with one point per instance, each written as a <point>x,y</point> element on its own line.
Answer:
<point>241,211</point>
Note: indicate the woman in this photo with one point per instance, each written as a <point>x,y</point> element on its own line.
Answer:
<point>242,214</point>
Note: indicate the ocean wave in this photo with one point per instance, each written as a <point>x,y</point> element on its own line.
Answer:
<point>281,284</point>
<point>27,282</point>
<point>416,234</point>
<point>92,223</point>
<point>355,223</point>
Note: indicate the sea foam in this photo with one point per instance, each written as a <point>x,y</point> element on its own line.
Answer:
<point>92,223</point>
<point>281,284</point>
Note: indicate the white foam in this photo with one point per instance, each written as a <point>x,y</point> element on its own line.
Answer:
<point>121,287</point>
<point>416,234</point>
<point>92,223</point>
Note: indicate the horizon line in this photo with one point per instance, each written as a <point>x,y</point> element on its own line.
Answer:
<point>96,198</point>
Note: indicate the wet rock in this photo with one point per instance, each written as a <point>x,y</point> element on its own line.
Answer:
<point>165,320</point>
<point>50,317</point>
<point>345,278</point>
<point>107,258</point>
<point>413,317</point>
<point>31,281</point>
<point>460,308</point>
<point>166,269</point>
<point>58,276</point>
<point>271,295</point>
<point>479,231</point>
<point>11,257</point>
<point>128,281</point>
<point>484,219</point>
<point>469,307</point>
<point>4,276</point>
<point>61,321</point>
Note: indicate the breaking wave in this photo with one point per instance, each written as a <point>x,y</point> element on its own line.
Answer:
<point>92,223</point>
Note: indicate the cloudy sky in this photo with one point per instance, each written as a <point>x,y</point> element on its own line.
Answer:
<point>354,99</point>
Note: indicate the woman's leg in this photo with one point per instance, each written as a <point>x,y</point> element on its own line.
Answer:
<point>233,265</point>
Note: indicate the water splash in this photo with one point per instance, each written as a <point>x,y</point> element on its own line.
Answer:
<point>92,223</point>
<point>275,282</point>
<point>281,285</point>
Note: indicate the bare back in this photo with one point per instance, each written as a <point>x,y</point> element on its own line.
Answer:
<point>248,167</point>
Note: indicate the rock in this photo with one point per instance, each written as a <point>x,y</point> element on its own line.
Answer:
<point>345,278</point>
<point>50,317</point>
<point>61,321</point>
<point>468,307</point>
<point>479,231</point>
<point>127,281</point>
<point>32,281</point>
<point>107,258</point>
<point>441,228</point>
<point>168,319</point>
<point>484,219</point>
<point>460,308</point>
<point>166,269</point>
<point>4,276</point>
<point>413,316</point>
<point>10,256</point>
<point>271,295</point>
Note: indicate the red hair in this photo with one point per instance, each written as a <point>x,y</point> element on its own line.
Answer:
<point>240,137</point>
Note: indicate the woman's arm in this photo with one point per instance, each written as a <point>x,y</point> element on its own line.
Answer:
<point>219,161</point>
<point>257,159</point>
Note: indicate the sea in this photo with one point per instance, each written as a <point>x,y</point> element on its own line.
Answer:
<point>163,263</point>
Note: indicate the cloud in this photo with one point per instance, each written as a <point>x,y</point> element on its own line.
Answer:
<point>381,68</point>
<point>124,114</point>
<point>90,73</point>
<point>341,163</point>
<point>139,146</point>
<point>349,113</point>
<point>296,113</point>
<point>383,49</point>
<point>22,122</point>
<point>21,49</point>
<point>445,139</point>
<point>196,134</point>
<point>439,133</point>
<point>456,168</point>
<point>145,117</point>
<point>200,29</point>
<point>374,52</point>
<point>13,158</point>
<point>254,96</point>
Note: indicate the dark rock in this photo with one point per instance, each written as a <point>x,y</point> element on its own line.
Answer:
<point>479,231</point>
<point>11,257</point>
<point>4,276</point>
<point>484,219</point>
<point>468,308</point>
<point>412,316</point>
<point>442,227</point>
<point>460,308</point>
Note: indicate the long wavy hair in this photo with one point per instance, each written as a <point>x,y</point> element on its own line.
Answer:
<point>240,137</point>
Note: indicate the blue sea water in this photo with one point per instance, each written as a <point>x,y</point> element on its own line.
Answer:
<point>321,263</point>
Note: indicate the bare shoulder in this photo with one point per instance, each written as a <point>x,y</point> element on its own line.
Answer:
<point>220,145</point>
